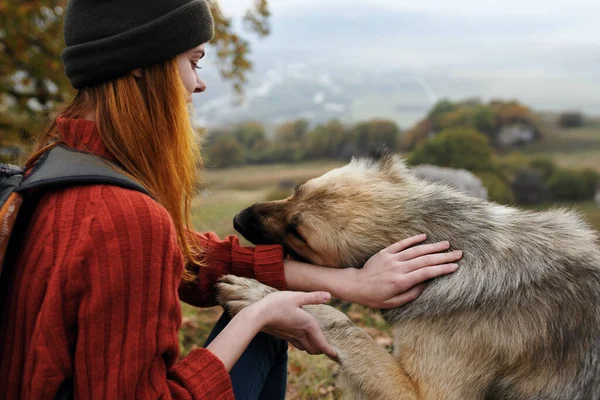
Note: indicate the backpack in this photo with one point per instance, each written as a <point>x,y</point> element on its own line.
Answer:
<point>59,167</point>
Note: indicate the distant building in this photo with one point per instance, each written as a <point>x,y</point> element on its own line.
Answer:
<point>516,134</point>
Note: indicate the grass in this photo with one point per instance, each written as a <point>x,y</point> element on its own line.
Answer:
<point>309,377</point>
<point>570,148</point>
<point>262,176</point>
<point>214,209</point>
<point>576,160</point>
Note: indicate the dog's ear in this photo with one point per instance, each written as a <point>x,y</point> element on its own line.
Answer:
<point>381,154</point>
<point>384,158</point>
<point>387,161</point>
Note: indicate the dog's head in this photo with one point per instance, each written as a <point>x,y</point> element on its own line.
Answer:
<point>339,219</point>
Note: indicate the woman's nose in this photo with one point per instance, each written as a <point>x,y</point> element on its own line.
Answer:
<point>200,86</point>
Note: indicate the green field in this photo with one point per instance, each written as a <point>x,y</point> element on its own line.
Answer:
<point>225,192</point>
<point>570,148</point>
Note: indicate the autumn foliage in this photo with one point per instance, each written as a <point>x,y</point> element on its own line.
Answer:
<point>32,80</point>
<point>490,119</point>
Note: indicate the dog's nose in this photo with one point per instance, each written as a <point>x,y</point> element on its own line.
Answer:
<point>249,224</point>
<point>237,224</point>
<point>246,222</point>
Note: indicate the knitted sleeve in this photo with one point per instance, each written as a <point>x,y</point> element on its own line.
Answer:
<point>129,313</point>
<point>225,256</point>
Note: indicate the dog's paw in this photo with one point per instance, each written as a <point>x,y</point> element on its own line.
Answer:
<point>235,293</point>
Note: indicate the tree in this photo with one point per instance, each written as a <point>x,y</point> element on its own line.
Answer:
<point>545,166</point>
<point>31,40</point>
<point>493,120</point>
<point>485,120</point>
<point>249,133</point>
<point>572,119</point>
<point>225,151</point>
<point>440,108</point>
<point>292,132</point>
<point>31,73</point>
<point>377,133</point>
<point>592,182</point>
<point>529,187</point>
<point>289,143</point>
<point>456,148</point>
<point>568,185</point>
<point>330,140</point>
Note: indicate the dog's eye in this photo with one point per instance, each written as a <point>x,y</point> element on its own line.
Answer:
<point>294,231</point>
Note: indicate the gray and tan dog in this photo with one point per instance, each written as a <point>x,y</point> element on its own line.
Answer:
<point>519,319</point>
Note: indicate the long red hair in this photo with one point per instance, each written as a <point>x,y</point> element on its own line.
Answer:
<point>145,125</point>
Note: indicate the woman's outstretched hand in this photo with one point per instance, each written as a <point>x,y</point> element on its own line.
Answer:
<point>281,315</point>
<point>395,275</point>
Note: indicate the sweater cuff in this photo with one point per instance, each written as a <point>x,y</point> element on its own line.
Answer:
<point>242,261</point>
<point>268,266</point>
<point>204,375</point>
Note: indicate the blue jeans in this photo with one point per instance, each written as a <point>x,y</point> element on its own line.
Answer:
<point>261,371</point>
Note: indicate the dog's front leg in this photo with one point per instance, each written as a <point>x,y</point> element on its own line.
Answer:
<point>367,371</point>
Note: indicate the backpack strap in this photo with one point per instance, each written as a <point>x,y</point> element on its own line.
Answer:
<point>63,167</point>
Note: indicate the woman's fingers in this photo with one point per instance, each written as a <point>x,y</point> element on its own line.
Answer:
<point>432,260</point>
<point>405,244</point>
<point>405,297</point>
<point>304,299</point>
<point>297,344</point>
<point>312,340</point>
<point>317,342</point>
<point>424,274</point>
<point>415,280</point>
<point>422,250</point>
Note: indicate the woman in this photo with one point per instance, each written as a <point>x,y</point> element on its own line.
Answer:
<point>94,300</point>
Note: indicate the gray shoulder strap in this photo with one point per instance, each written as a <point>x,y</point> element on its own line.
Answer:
<point>63,167</point>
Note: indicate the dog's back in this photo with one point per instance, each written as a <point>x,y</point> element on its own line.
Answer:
<point>523,311</point>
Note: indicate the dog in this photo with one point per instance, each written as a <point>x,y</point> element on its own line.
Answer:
<point>519,319</point>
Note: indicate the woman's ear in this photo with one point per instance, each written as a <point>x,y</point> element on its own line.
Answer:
<point>137,73</point>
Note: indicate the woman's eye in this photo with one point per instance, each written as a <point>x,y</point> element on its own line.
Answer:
<point>195,65</point>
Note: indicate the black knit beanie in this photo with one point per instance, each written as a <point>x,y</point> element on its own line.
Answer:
<point>109,38</point>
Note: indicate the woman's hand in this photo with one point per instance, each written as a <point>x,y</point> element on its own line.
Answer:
<point>395,275</point>
<point>281,315</point>
<point>278,314</point>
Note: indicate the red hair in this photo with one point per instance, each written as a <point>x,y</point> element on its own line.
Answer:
<point>145,125</point>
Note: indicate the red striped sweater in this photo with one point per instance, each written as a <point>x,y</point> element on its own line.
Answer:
<point>95,297</point>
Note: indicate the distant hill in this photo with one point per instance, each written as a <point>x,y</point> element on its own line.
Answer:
<point>320,92</point>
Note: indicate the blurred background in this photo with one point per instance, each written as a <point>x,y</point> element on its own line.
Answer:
<point>500,99</point>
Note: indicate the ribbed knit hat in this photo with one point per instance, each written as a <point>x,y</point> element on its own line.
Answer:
<point>106,39</point>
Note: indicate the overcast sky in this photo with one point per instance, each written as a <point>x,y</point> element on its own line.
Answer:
<point>428,32</point>
<point>583,8</point>
<point>530,49</point>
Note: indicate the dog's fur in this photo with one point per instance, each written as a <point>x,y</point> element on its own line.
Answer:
<point>519,319</point>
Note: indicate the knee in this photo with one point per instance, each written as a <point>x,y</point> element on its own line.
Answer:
<point>277,345</point>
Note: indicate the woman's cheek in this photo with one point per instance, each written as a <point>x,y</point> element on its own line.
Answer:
<point>190,82</point>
